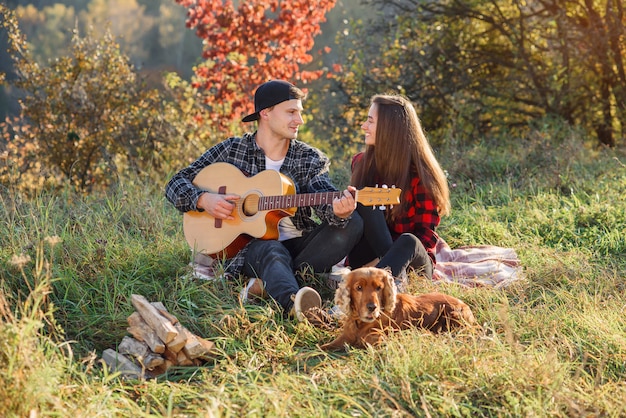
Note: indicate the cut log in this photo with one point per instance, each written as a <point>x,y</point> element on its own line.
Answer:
<point>163,311</point>
<point>179,342</point>
<point>129,345</point>
<point>142,332</point>
<point>141,352</point>
<point>152,361</point>
<point>209,348</point>
<point>162,368</point>
<point>197,347</point>
<point>120,363</point>
<point>161,325</point>
<point>193,348</point>
<point>171,356</point>
<point>183,360</point>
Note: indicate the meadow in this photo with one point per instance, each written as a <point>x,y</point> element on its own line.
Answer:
<point>552,344</point>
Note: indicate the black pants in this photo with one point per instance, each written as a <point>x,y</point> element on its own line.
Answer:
<point>376,242</point>
<point>276,262</point>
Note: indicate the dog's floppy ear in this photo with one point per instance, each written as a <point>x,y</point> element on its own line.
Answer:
<point>342,295</point>
<point>389,292</point>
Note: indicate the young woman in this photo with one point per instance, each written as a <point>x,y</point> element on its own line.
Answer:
<point>398,153</point>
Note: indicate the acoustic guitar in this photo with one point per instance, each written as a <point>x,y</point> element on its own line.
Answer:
<point>265,199</point>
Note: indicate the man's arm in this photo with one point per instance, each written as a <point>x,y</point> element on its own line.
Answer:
<point>180,190</point>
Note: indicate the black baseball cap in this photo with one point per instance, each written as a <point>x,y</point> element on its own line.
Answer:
<point>270,94</point>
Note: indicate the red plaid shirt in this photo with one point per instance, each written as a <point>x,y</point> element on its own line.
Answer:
<point>421,219</point>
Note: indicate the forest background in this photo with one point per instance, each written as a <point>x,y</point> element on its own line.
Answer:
<point>523,102</point>
<point>474,69</point>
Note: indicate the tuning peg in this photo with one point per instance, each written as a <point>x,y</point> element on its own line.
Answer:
<point>382,207</point>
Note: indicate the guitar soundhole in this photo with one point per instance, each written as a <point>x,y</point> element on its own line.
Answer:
<point>250,205</point>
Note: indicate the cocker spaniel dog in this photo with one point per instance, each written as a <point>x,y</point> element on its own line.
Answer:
<point>372,307</point>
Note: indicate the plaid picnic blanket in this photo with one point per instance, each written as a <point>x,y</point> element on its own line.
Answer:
<point>476,266</point>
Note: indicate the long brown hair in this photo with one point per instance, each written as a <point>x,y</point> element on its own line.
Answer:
<point>401,152</point>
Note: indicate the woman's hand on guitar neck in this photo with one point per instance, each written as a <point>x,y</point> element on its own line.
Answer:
<point>344,206</point>
<point>220,206</point>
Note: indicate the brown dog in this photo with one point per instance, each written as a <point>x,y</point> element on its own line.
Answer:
<point>372,307</point>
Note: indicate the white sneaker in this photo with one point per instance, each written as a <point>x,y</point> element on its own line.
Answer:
<point>306,298</point>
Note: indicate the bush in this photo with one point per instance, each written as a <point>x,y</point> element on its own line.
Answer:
<point>88,121</point>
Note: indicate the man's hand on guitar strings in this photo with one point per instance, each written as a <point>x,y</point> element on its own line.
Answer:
<point>344,206</point>
<point>220,206</point>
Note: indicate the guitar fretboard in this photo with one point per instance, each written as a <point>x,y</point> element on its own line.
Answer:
<point>297,200</point>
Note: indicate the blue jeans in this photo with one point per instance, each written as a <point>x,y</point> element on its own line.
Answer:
<point>407,250</point>
<point>276,262</point>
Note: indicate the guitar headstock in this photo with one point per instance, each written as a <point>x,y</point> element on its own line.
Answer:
<point>378,196</point>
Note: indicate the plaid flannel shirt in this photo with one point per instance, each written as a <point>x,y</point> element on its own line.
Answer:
<point>305,165</point>
<point>421,219</point>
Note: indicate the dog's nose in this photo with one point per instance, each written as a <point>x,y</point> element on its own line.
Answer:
<point>371,307</point>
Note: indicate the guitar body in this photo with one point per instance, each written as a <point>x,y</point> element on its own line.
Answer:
<point>224,238</point>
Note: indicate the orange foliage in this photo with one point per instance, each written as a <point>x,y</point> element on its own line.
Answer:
<point>244,47</point>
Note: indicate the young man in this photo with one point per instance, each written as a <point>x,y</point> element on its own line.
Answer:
<point>302,242</point>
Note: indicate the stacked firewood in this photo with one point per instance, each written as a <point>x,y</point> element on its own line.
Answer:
<point>159,341</point>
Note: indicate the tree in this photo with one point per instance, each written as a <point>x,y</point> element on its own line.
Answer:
<point>479,65</point>
<point>244,47</point>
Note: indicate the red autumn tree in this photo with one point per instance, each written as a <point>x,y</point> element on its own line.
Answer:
<point>246,46</point>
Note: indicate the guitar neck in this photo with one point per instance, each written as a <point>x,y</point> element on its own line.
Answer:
<point>297,200</point>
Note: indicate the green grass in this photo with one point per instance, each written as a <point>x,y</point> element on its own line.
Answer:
<point>551,345</point>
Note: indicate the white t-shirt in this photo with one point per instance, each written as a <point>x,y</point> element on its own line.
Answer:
<point>286,228</point>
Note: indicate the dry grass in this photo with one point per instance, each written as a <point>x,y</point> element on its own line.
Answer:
<point>551,345</point>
